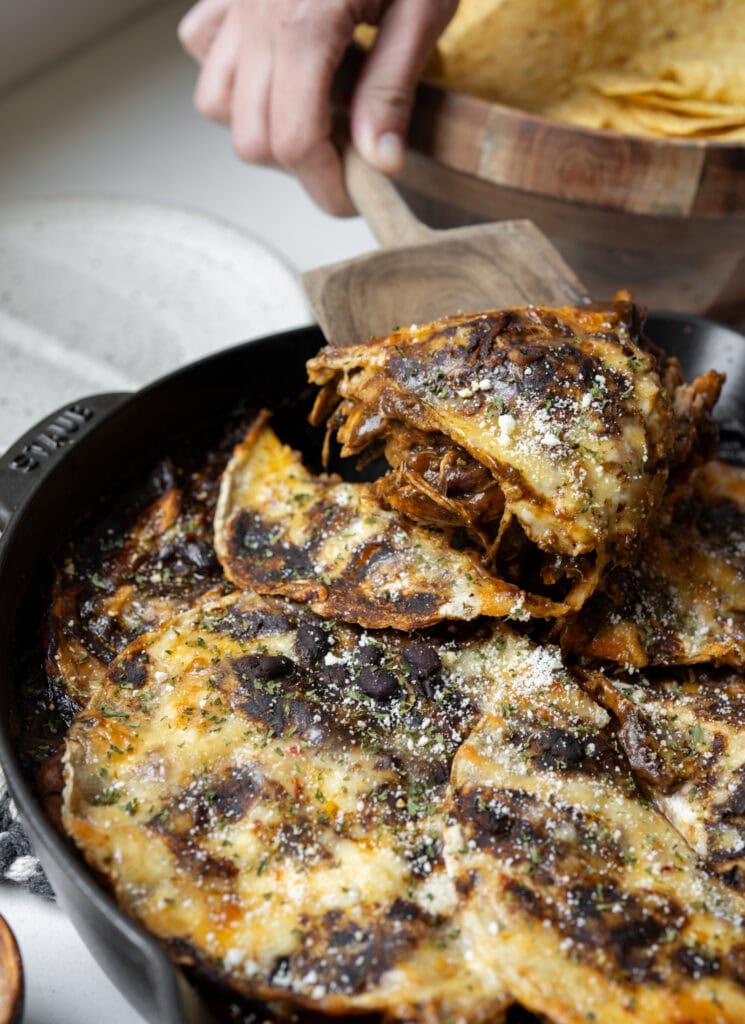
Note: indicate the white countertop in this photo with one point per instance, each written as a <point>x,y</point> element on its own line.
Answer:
<point>116,119</point>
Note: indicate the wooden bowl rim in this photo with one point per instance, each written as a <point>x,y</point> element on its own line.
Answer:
<point>543,120</point>
<point>518,149</point>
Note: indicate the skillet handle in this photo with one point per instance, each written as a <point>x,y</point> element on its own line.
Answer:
<point>26,464</point>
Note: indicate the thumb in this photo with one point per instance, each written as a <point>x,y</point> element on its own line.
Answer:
<point>384,94</point>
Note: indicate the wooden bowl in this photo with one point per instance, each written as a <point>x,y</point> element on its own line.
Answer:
<point>11,977</point>
<point>663,217</point>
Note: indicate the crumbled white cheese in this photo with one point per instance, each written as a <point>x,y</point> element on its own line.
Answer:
<point>233,957</point>
<point>506,425</point>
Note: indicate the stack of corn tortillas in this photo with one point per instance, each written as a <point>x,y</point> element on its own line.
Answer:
<point>648,67</point>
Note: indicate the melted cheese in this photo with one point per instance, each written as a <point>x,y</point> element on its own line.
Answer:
<point>280,530</point>
<point>286,830</point>
<point>256,808</point>
<point>355,819</point>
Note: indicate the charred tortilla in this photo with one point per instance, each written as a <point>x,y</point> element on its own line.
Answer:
<point>132,573</point>
<point>359,822</point>
<point>685,741</point>
<point>588,904</point>
<point>348,788</point>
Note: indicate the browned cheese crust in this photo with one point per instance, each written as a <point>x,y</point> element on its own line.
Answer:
<point>553,429</point>
<point>683,601</point>
<point>685,742</point>
<point>309,756</point>
<point>586,901</point>
<point>130,576</point>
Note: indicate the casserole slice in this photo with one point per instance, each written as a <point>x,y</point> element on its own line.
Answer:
<point>579,893</point>
<point>683,601</point>
<point>685,740</point>
<point>335,546</point>
<point>547,434</point>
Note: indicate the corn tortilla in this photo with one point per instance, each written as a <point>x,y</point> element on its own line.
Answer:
<point>648,67</point>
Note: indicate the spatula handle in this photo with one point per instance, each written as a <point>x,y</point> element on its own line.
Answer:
<point>377,199</point>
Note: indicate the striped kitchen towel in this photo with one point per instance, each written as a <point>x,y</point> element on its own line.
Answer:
<point>17,861</point>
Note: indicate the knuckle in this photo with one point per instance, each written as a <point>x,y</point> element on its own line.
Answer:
<point>184,35</point>
<point>288,152</point>
<point>250,147</point>
<point>209,105</point>
<point>394,97</point>
<point>190,29</point>
<point>190,45</point>
<point>291,146</point>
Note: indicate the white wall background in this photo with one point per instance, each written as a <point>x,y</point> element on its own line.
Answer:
<point>35,32</point>
<point>116,118</point>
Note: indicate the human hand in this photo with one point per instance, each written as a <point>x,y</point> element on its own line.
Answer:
<point>267,68</point>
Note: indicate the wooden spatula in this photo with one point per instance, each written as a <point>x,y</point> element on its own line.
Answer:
<point>421,274</point>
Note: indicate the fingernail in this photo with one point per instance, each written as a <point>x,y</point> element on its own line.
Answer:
<point>385,151</point>
<point>389,152</point>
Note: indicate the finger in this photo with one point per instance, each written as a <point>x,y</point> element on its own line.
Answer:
<point>322,177</point>
<point>384,95</point>
<point>199,26</point>
<point>307,54</point>
<point>214,91</point>
<point>250,102</point>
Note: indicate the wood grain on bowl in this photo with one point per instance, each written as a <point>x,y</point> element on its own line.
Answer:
<point>663,217</point>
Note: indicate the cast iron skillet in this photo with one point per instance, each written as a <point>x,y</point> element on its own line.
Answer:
<point>56,474</point>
